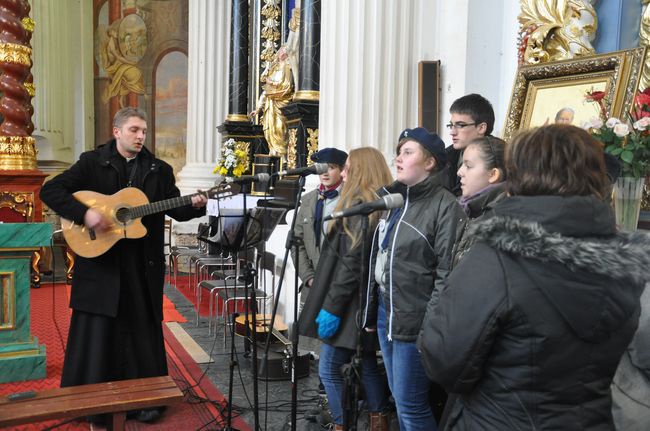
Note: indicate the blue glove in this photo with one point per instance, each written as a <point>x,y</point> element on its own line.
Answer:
<point>328,324</point>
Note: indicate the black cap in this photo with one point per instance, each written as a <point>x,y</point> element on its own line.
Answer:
<point>430,141</point>
<point>330,155</point>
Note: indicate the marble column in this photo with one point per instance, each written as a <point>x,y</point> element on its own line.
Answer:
<point>18,146</point>
<point>238,96</point>
<point>310,37</point>
<point>208,45</point>
<point>237,125</point>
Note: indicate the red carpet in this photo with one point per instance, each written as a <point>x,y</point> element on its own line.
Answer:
<point>202,403</point>
<point>188,293</point>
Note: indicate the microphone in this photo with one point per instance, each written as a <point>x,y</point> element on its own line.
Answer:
<point>316,168</point>
<point>262,177</point>
<point>388,202</point>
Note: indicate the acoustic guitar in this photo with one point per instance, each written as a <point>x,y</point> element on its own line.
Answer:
<point>123,210</point>
<point>262,327</point>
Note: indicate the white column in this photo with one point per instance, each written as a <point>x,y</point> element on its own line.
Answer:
<point>370,51</point>
<point>63,64</point>
<point>208,48</point>
<point>368,72</point>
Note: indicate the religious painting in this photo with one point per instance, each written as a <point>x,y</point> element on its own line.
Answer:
<point>133,39</point>
<point>170,106</point>
<point>563,91</point>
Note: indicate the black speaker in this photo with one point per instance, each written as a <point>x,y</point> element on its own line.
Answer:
<point>429,95</point>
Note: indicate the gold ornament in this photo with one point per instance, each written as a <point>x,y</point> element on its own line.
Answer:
<point>14,53</point>
<point>312,144</point>
<point>17,153</point>
<point>557,29</point>
<point>30,88</point>
<point>292,152</point>
<point>28,24</point>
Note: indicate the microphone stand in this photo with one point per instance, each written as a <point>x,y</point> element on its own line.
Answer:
<point>251,329</point>
<point>294,242</point>
<point>353,377</point>
<point>249,275</point>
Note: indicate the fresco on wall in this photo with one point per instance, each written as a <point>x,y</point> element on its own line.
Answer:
<point>140,60</point>
<point>171,109</point>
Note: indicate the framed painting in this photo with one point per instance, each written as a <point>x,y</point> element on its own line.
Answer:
<point>560,91</point>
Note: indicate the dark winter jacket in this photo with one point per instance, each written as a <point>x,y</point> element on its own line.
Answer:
<point>419,258</point>
<point>96,281</point>
<point>336,289</point>
<point>449,174</point>
<point>536,316</point>
<point>631,384</point>
<point>479,207</point>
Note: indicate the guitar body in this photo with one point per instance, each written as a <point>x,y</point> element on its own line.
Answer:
<point>88,243</point>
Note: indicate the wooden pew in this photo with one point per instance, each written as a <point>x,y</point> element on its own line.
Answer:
<point>115,398</point>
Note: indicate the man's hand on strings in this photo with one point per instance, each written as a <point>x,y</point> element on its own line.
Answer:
<point>93,219</point>
<point>200,200</point>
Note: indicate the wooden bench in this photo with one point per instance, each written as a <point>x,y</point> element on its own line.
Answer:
<point>101,398</point>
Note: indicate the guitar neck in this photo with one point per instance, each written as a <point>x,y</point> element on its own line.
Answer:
<point>160,206</point>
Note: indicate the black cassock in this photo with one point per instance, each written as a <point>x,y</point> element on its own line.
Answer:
<point>130,345</point>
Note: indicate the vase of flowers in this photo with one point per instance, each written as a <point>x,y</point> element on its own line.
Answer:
<point>629,142</point>
<point>232,162</point>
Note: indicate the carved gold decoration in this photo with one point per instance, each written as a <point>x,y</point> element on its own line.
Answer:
<point>312,144</point>
<point>8,297</point>
<point>237,117</point>
<point>644,40</point>
<point>29,24</point>
<point>270,33</point>
<point>14,53</point>
<point>17,152</point>
<point>619,69</point>
<point>20,202</point>
<point>308,95</point>
<point>292,145</point>
<point>245,147</point>
<point>294,22</point>
<point>553,30</point>
<point>36,274</point>
<point>30,88</point>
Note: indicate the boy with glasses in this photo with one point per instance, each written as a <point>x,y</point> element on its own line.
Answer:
<point>472,117</point>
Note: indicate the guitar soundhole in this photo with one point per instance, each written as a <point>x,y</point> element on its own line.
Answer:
<point>123,215</point>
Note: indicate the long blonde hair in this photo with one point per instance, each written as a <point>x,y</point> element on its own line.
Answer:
<point>367,172</point>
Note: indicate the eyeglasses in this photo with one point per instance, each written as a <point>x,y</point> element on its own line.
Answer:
<point>459,125</point>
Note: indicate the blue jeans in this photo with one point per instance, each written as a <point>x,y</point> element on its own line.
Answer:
<point>329,369</point>
<point>406,377</point>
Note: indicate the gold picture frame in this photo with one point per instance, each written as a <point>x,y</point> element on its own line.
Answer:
<point>543,90</point>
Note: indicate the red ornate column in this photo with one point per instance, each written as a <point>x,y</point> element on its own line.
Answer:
<point>20,180</point>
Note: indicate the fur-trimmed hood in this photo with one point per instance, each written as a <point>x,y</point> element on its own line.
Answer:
<point>569,248</point>
<point>622,256</point>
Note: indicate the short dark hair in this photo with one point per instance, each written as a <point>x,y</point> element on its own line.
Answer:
<point>559,160</point>
<point>124,114</point>
<point>491,151</point>
<point>477,107</point>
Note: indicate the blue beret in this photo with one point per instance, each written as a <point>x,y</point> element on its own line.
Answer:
<point>330,155</point>
<point>430,141</point>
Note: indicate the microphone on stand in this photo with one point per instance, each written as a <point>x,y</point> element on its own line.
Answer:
<point>316,168</point>
<point>262,177</point>
<point>388,202</point>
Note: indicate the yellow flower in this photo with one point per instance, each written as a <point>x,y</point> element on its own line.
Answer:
<point>238,171</point>
<point>223,171</point>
